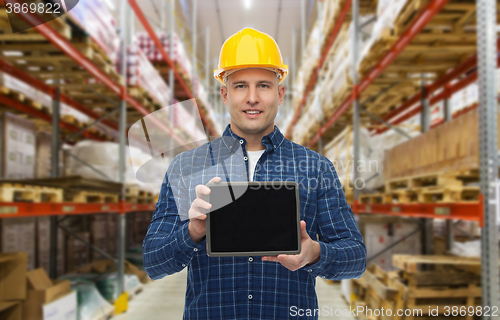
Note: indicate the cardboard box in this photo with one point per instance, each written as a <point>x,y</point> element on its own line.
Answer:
<point>62,309</point>
<point>18,235</point>
<point>43,164</point>
<point>13,276</point>
<point>77,253</point>
<point>381,232</point>
<point>103,266</point>
<point>41,290</point>
<point>17,147</point>
<point>112,225</point>
<point>43,246</point>
<point>10,310</point>
<point>98,235</point>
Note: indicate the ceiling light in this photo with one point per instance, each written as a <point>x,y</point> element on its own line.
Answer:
<point>247,3</point>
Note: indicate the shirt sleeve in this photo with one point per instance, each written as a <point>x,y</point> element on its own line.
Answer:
<point>167,247</point>
<point>343,253</point>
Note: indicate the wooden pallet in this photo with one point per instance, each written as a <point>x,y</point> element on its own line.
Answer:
<point>414,291</point>
<point>86,196</point>
<point>378,289</point>
<point>143,97</point>
<point>440,288</point>
<point>447,194</point>
<point>72,120</point>
<point>374,198</point>
<point>19,192</point>
<point>439,179</point>
<point>431,188</point>
<point>412,263</point>
<point>400,196</point>
<point>132,190</point>
<point>6,34</point>
<point>20,97</point>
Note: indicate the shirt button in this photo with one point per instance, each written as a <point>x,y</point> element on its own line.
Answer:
<point>275,146</point>
<point>250,259</point>
<point>250,297</point>
<point>195,249</point>
<point>245,158</point>
<point>309,270</point>
<point>183,265</point>
<point>241,141</point>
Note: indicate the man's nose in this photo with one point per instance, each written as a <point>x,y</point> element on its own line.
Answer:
<point>252,96</point>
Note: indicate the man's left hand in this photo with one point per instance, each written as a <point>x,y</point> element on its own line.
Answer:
<point>309,254</point>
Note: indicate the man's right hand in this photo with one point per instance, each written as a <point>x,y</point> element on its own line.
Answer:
<point>197,212</point>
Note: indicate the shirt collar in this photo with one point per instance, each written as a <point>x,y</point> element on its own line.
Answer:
<point>272,141</point>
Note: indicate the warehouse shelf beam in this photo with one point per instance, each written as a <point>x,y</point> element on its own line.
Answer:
<point>153,36</point>
<point>324,54</point>
<point>471,211</point>
<point>40,85</point>
<point>431,9</point>
<point>26,209</point>
<point>54,173</point>
<point>355,97</point>
<point>488,147</point>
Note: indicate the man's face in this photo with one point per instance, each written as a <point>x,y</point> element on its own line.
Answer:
<point>253,97</point>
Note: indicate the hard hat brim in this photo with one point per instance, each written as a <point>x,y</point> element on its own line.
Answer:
<point>219,73</point>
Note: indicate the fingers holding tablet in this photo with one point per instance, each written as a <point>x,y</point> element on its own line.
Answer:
<point>309,254</point>
<point>197,212</point>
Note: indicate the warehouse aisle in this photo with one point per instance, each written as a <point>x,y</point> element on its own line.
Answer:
<point>164,299</point>
<point>160,300</point>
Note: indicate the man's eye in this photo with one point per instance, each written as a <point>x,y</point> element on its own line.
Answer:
<point>264,86</point>
<point>240,86</point>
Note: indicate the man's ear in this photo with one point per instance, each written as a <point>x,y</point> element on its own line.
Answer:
<point>281,93</point>
<point>223,93</point>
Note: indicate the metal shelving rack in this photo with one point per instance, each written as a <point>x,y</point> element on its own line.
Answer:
<point>11,210</point>
<point>486,61</point>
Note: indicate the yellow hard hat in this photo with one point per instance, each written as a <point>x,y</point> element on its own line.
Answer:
<point>250,48</point>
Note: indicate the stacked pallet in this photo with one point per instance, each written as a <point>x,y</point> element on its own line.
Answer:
<point>134,194</point>
<point>25,192</point>
<point>440,187</point>
<point>443,291</point>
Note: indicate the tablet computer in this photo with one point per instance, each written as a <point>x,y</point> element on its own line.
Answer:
<point>253,219</point>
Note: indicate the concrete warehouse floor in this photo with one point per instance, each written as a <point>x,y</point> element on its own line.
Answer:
<point>164,299</point>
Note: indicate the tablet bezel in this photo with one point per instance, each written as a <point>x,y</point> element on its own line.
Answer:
<point>272,185</point>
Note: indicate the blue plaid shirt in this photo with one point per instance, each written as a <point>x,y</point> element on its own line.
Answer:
<point>247,287</point>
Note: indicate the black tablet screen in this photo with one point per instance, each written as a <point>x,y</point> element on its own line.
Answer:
<point>259,220</point>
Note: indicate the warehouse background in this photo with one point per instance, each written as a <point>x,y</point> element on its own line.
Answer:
<point>402,96</point>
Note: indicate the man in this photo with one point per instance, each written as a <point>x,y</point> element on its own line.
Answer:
<point>251,68</point>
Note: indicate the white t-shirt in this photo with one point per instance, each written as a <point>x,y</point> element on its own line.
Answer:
<point>253,158</point>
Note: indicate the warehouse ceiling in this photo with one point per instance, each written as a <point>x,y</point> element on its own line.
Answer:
<point>225,17</point>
